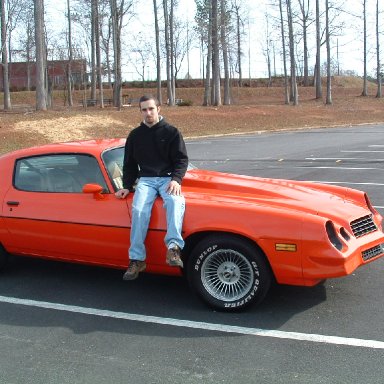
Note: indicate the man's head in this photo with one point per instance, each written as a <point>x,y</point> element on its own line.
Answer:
<point>150,108</point>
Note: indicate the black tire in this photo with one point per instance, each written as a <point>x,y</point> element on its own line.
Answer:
<point>3,257</point>
<point>228,272</point>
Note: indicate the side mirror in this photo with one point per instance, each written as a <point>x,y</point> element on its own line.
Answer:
<point>95,189</point>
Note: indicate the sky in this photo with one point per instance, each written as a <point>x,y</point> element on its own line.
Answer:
<point>348,45</point>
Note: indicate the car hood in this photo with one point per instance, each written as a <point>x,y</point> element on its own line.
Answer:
<point>329,201</point>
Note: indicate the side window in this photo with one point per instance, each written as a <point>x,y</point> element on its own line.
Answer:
<point>28,178</point>
<point>57,173</point>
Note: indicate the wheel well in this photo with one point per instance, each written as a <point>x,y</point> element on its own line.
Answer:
<point>3,256</point>
<point>192,240</point>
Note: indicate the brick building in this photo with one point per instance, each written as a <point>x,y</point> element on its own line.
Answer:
<point>22,73</point>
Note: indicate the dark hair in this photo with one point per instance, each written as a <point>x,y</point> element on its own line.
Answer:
<point>147,98</point>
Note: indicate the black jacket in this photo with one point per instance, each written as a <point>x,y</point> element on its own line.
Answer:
<point>157,151</point>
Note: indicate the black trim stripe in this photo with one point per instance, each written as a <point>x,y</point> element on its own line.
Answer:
<point>77,223</point>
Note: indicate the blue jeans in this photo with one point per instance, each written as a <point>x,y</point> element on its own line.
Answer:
<point>147,189</point>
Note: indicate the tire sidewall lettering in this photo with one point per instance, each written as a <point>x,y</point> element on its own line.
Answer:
<point>202,256</point>
<point>253,291</point>
<point>216,244</point>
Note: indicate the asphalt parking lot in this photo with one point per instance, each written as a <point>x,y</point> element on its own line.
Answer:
<point>63,323</point>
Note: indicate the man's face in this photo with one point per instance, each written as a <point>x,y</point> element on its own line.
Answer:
<point>150,112</point>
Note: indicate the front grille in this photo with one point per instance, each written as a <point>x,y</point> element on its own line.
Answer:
<point>372,252</point>
<point>363,225</point>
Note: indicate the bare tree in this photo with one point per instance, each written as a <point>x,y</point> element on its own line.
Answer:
<point>169,59</point>
<point>172,48</point>
<point>118,11</point>
<point>15,9</point>
<point>177,42</point>
<point>93,51</point>
<point>81,14</point>
<point>305,20</point>
<point>328,43</point>
<point>365,86</point>
<point>105,37</point>
<point>203,20</point>
<point>27,41</point>
<point>224,47</point>
<point>4,59</point>
<point>95,5</point>
<point>266,48</point>
<point>158,57</point>
<point>70,56</point>
<point>216,99</point>
<point>319,89</point>
<point>239,24</point>
<point>41,94</point>
<point>294,96</point>
<point>141,52</point>
<point>286,87</point>
<point>378,63</point>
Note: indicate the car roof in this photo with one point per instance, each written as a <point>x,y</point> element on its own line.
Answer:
<point>94,146</point>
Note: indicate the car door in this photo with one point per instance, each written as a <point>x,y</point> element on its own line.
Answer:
<point>47,213</point>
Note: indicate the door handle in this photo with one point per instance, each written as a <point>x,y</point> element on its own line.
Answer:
<point>13,203</point>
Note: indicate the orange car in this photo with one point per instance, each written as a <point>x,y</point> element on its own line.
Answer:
<point>241,233</point>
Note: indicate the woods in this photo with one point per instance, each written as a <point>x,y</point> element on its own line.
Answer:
<point>299,45</point>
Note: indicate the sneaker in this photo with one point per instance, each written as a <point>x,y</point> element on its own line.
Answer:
<point>174,257</point>
<point>134,268</point>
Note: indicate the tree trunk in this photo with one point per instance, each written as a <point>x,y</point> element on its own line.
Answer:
<point>268,52</point>
<point>95,4</point>
<point>294,93</point>
<point>365,83</point>
<point>304,6</point>
<point>158,57</point>
<point>116,32</point>
<point>4,60</point>
<point>224,45</point>
<point>169,59</point>
<point>41,94</point>
<point>28,50</point>
<point>69,67</point>
<point>93,51</point>
<point>319,88</point>
<point>239,46</point>
<point>207,83</point>
<point>215,56</point>
<point>172,50</point>
<point>379,92</point>
<point>286,88</point>
<point>328,41</point>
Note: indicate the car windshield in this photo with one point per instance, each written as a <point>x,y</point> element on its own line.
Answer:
<point>113,160</point>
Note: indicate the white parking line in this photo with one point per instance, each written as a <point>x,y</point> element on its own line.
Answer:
<point>341,158</point>
<point>350,151</point>
<point>340,168</point>
<point>345,182</point>
<point>315,338</point>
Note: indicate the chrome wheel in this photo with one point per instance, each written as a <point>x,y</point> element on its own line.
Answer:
<point>228,272</point>
<point>227,275</point>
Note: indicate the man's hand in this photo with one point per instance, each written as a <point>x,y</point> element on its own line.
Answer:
<point>122,193</point>
<point>174,188</point>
